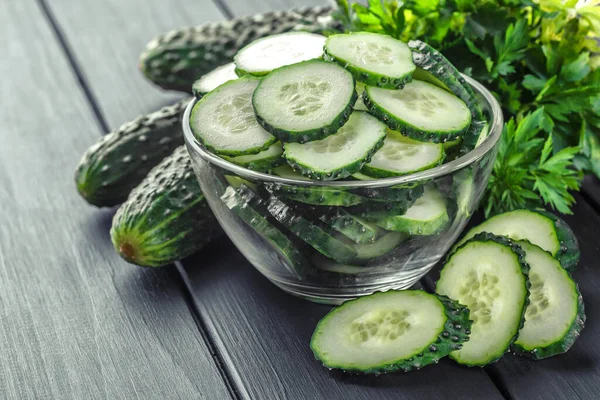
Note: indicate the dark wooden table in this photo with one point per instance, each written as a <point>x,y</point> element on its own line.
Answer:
<point>77,322</point>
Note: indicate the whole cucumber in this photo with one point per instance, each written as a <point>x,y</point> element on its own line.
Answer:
<point>174,60</point>
<point>166,217</point>
<point>119,161</point>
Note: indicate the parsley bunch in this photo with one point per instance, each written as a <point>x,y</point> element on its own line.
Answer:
<point>540,59</point>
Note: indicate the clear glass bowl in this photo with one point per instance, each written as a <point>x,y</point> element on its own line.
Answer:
<point>318,278</point>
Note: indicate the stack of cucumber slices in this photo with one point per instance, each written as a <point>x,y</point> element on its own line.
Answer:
<point>506,286</point>
<point>358,106</point>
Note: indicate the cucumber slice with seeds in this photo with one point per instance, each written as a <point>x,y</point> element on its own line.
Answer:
<point>489,275</point>
<point>263,161</point>
<point>390,331</point>
<point>214,79</point>
<point>421,111</point>
<point>306,101</point>
<point>373,59</point>
<point>400,155</point>
<point>264,55</point>
<point>341,154</point>
<point>225,123</point>
<point>436,68</point>
<point>555,315</point>
<point>428,216</point>
<point>538,227</point>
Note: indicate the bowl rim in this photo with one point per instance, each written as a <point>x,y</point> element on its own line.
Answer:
<point>496,125</point>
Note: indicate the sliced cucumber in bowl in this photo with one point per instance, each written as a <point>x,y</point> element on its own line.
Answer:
<point>340,154</point>
<point>373,59</point>
<point>306,101</point>
<point>214,79</point>
<point>263,161</point>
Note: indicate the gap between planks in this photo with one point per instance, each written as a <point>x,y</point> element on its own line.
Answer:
<point>235,390</point>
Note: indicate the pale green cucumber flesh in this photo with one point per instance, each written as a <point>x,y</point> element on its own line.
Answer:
<point>214,79</point>
<point>263,161</point>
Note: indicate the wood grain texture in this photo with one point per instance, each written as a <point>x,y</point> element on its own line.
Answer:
<point>76,322</point>
<point>249,7</point>
<point>576,374</point>
<point>264,333</point>
<point>107,38</point>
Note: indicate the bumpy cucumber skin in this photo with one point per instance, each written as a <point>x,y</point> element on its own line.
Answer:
<point>456,331</point>
<point>347,225</point>
<point>340,173</point>
<point>368,77</point>
<point>120,160</point>
<point>315,195</point>
<point>263,165</point>
<point>568,254</point>
<point>311,134</point>
<point>238,201</point>
<point>174,60</point>
<point>406,128</point>
<point>518,251</point>
<point>563,345</point>
<point>432,61</point>
<point>166,217</point>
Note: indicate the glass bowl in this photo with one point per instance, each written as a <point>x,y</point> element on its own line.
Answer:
<point>286,240</point>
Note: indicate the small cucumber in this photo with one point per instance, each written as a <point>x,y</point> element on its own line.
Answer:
<point>373,59</point>
<point>225,123</point>
<point>539,227</point>
<point>166,218</point>
<point>340,154</point>
<point>266,54</point>
<point>421,111</point>
<point>120,160</point>
<point>390,331</point>
<point>555,315</point>
<point>489,275</point>
<point>214,79</point>
<point>306,101</point>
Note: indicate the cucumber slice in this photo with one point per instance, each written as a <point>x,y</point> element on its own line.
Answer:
<point>474,136</point>
<point>351,226</point>
<point>298,224</point>
<point>390,331</point>
<point>285,171</point>
<point>318,196</point>
<point>421,111</point>
<point>214,79</point>
<point>325,264</point>
<point>341,154</point>
<point>380,247</point>
<point>263,161</point>
<point>225,123</point>
<point>400,155</point>
<point>555,315</point>
<point>239,203</point>
<point>306,101</point>
<point>538,227</point>
<point>360,105</point>
<point>373,59</point>
<point>264,55</point>
<point>428,216</point>
<point>464,188</point>
<point>421,75</point>
<point>235,182</point>
<point>441,70</point>
<point>489,275</point>
<point>376,210</point>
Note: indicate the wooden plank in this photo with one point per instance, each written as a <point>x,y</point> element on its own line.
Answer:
<point>107,38</point>
<point>249,7</point>
<point>575,374</point>
<point>263,334</point>
<point>76,322</point>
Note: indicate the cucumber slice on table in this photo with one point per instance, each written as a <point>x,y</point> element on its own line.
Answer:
<point>428,216</point>
<point>225,123</point>
<point>390,331</point>
<point>437,69</point>
<point>555,315</point>
<point>489,275</point>
<point>263,161</point>
<point>214,79</point>
<point>341,154</point>
<point>238,201</point>
<point>306,101</point>
<point>400,155</point>
<point>421,111</point>
<point>373,59</point>
<point>264,55</point>
<point>297,223</point>
<point>538,227</point>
